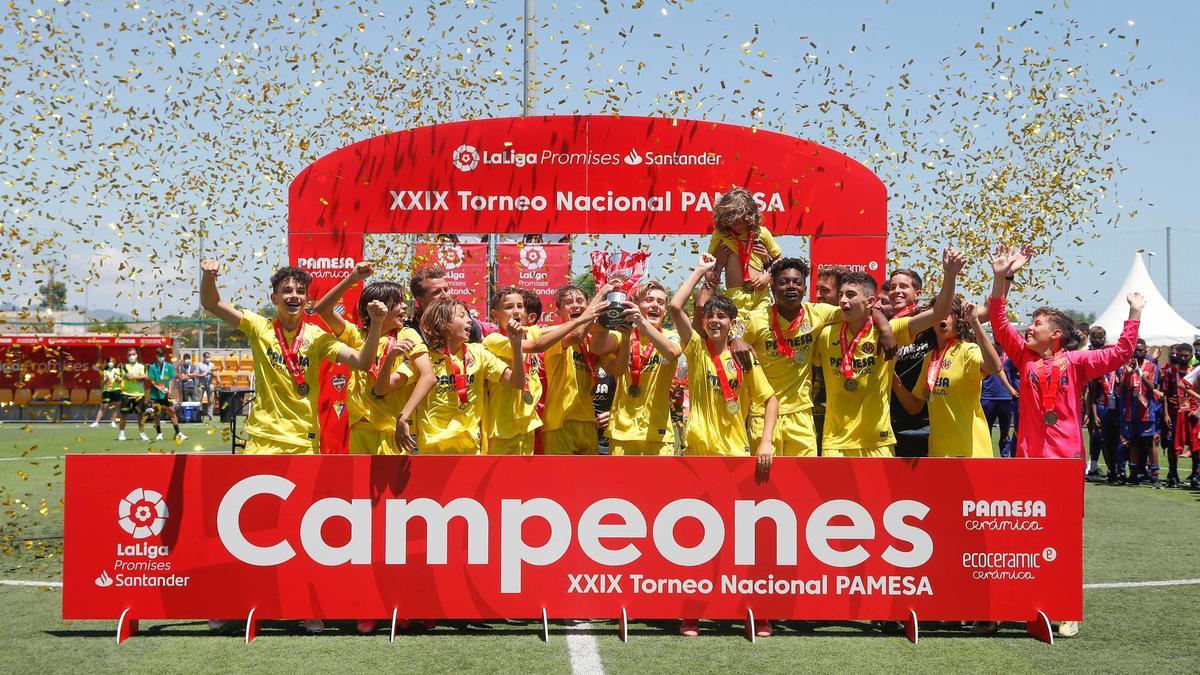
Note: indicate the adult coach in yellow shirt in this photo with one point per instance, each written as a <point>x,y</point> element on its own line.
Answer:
<point>951,383</point>
<point>287,361</point>
<point>858,421</point>
<point>781,337</point>
<point>643,366</point>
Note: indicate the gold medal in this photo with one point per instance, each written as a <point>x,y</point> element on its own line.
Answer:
<point>850,385</point>
<point>798,357</point>
<point>732,407</point>
<point>302,389</point>
<point>527,397</point>
<point>635,390</point>
<point>1050,418</point>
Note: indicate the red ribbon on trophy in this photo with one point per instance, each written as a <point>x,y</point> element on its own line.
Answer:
<point>623,270</point>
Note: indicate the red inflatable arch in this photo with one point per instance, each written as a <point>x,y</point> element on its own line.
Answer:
<point>576,174</point>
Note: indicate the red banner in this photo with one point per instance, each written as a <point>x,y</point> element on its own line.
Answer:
<point>178,536</point>
<point>541,268</point>
<point>46,362</point>
<point>466,267</point>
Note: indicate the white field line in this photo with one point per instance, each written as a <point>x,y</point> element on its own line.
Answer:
<point>1143,584</point>
<point>584,652</point>
<point>19,582</point>
<point>31,458</point>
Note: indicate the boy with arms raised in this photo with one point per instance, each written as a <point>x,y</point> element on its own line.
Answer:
<point>644,366</point>
<point>857,378</point>
<point>380,411</point>
<point>1052,378</point>
<point>721,391</point>
<point>287,361</point>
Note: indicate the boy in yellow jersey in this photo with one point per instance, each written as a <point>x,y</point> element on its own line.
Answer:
<point>721,391</point>
<point>449,420</point>
<point>287,361</point>
<point>744,250</point>
<point>380,411</point>
<point>110,392</point>
<point>570,419</point>
<point>953,371</point>
<point>858,379</point>
<point>643,367</point>
<point>781,337</point>
<point>133,394</point>
<point>512,415</point>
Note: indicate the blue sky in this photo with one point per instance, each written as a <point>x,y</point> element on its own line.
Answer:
<point>665,47</point>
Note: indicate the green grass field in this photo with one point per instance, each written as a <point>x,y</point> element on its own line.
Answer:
<point>1131,534</point>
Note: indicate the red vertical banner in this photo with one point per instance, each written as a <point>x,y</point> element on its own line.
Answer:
<point>854,253</point>
<point>329,258</point>
<point>541,268</point>
<point>466,267</point>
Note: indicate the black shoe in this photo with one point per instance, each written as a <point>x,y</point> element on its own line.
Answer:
<point>1111,479</point>
<point>1173,481</point>
<point>1193,481</point>
<point>1156,484</point>
<point>1094,473</point>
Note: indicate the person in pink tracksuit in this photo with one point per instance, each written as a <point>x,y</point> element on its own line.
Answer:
<point>1050,414</point>
<point>1052,379</point>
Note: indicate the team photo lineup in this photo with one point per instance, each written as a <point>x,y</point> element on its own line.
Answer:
<point>751,367</point>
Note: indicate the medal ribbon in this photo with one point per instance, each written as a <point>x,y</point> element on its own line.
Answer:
<point>638,359</point>
<point>935,366</point>
<point>1051,370</point>
<point>781,343</point>
<point>745,253</point>
<point>907,311</point>
<point>460,376</point>
<point>847,366</point>
<point>589,359</point>
<point>387,349</point>
<point>726,390</point>
<point>290,353</point>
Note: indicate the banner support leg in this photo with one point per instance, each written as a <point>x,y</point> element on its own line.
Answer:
<point>1040,628</point>
<point>392,638</point>
<point>623,627</point>
<point>126,627</point>
<point>251,627</point>
<point>912,628</point>
<point>545,627</point>
<point>750,634</point>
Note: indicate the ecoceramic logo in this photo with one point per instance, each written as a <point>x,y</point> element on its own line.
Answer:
<point>466,157</point>
<point>142,513</point>
<point>533,257</point>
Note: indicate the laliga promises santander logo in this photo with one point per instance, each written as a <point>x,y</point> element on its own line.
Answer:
<point>142,513</point>
<point>533,257</point>
<point>465,157</point>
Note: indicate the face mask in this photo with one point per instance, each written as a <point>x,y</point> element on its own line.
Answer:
<point>161,359</point>
<point>133,358</point>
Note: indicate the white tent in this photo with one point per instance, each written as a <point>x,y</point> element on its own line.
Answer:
<point>1161,324</point>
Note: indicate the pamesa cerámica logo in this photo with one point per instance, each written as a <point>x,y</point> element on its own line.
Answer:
<point>467,157</point>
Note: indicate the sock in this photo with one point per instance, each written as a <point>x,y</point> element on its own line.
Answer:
<point>1154,472</point>
<point>1093,466</point>
<point>176,428</point>
<point>157,428</point>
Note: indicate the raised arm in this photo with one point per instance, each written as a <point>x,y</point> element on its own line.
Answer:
<point>1094,363</point>
<point>362,359</point>
<point>552,335</point>
<point>991,360</point>
<point>1008,337</point>
<point>515,375</point>
<point>210,297</point>
<point>952,264</point>
<point>678,316</point>
<point>325,306</point>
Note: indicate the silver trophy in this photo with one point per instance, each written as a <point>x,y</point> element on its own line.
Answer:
<point>613,318</point>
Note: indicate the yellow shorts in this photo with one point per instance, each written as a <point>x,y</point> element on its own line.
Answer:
<point>521,444</point>
<point>641,448</point>
<point>794,434</point>
<point>885,451</point>
<point>457,445</point>
<point>257,445</point>
<point>365,440</point>
<point>574,437</point>
<point>748,301</point>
